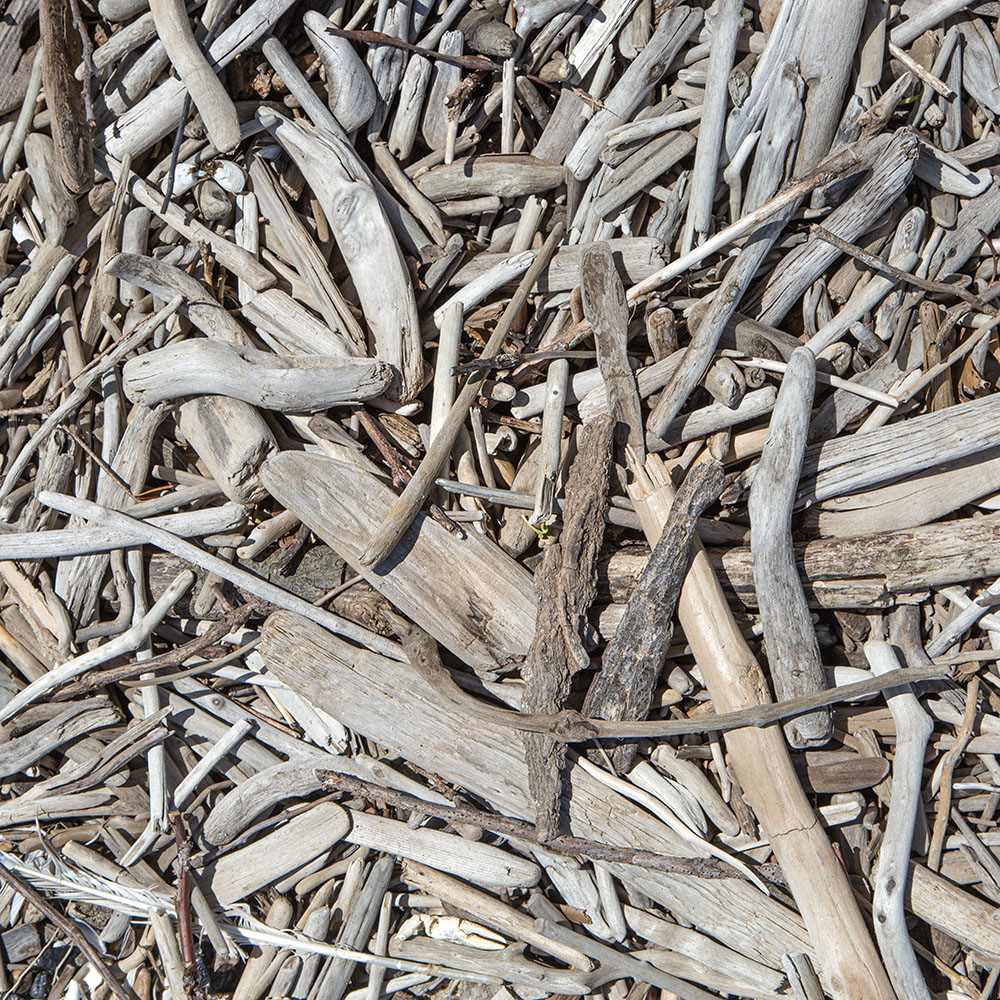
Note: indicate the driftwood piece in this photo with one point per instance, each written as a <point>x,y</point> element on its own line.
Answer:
<point>151,118</point>
<point>566,585</point>
<point>846,465</point>
<point>368,243</point>
<point>789,637</point>
<point>506,175</point>
<point>604,306</point>
<point>643,73</point>
<point>633,659</point>
<point>636,257</point>
<point>848,961</point>
<point>486,614</point>
<point>197,74</point>
<point>483,758</point>
<point>884,565</point>
<point>232,440</point>
<point>298,385</point>
<point>914,728</point>
<point>351,94</point>
<point>70,127</point>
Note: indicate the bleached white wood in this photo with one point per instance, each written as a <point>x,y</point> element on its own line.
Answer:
<point>480,863</point>
<point>289,384</point>
<point>351,93</point>
<point>913,729</point>
<point>368,244</point>
<point>198,76</point>
<point>150,119</point>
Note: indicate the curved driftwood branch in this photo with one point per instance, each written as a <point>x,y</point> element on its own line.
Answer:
<point>291,385</point>
<point>789,637</point>
<point>913,730</point>
<point>367,242</point>
<point>351,93</point>
<point>203,84</point>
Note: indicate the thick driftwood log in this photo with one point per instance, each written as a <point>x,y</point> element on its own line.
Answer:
<point>365,691</point>
<point>199,77</point>
<point>70,128</point>
<point>291,385</point>
<point>852,463</point>
<point>789,637</point>
<point>857,569</point>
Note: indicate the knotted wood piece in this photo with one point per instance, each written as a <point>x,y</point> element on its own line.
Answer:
<point>566,585</point>
<point>633,658</point>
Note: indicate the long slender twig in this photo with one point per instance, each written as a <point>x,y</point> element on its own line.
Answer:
<point>120,989</point>
<point>99,678</point>
<point>572,727</point>
<point>878,264</point>
<point>380,38</point>
<point>505,826</point>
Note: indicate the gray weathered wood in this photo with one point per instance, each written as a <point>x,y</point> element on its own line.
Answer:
<point>299,385</point>
<point>484,614</point>
<point>789,638</point>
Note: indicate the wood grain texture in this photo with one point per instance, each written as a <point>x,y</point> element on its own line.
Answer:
<point>632,660</point>
<point>403,713</point>
<point>566,586</point>
<point>483,608</point>
<point>789,637</point>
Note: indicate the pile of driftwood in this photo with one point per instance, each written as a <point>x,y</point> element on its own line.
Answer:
<point>499,500</point>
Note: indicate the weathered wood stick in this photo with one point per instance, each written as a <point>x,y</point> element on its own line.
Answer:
<point>849,964</point>
<point>913,729</point>
<point>419,488</point>
<point>789,638</point>
<point>908,559</point>
<point>839,166</point>
<point>566,585</point>
<point>293,384</point>
<point>635,257</point>
<point>199,78</point>
<point>506,175</point>
<point>726,21</point>
<point>63,542</point>
<point>604,306</point>
<point>632,660</point>
<point>144,532</point>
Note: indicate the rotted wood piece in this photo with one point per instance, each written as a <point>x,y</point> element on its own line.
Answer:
<point>566,586</point>
<point>64,96</point>
<point>623,689</point>
<point>605,307</point>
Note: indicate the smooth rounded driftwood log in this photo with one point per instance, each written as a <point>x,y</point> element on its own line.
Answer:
<point>291,385</point>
